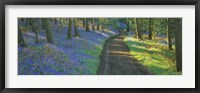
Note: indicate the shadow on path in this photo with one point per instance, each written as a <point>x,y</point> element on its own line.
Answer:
<point>117,60</point>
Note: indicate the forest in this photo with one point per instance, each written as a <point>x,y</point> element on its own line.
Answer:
<point>99,46</point>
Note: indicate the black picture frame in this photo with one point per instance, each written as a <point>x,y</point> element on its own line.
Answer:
<point>98,2</point>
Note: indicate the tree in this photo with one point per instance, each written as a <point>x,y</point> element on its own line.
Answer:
<point>43,25</point>
<point>150,28</point>
<point>48,32</point>
<point>135,30</point>
<point>62,20</point>
<point>127,24</point>
<point>55,20</point>
<point>178,40</point>
<point>170,32</point>
<point>32,23</point>
<point>87,25</point>
<point>139,35</point>
<point>20,38</point>
<point>166,27</point>
<point>93,24</point>
<point>98,24</point>
<point>27,22</point>
<point>76,27</point>
<point>84,19</point>
<point>69,34</point>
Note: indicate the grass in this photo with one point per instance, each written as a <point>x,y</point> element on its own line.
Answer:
<point>92,64</point>
<point>155,56</point>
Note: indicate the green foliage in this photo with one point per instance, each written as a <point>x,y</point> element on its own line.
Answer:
<point>156,57</point>
<point>91,65</point>
<point>153,53</point>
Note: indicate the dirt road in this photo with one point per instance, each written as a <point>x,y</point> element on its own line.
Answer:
<point>117,60</point>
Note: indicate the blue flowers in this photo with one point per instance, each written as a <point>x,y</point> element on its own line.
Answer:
<point>64,57</point>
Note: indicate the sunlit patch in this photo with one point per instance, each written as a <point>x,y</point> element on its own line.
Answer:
<point>154,55</point>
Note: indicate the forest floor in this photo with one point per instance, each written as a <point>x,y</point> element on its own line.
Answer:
<point>153,54</point>
<point>78,56</point>
<point>117,59</point>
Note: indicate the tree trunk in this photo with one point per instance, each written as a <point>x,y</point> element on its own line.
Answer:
<point>20,37</point>
<point>93,24</point>
<point>139,36</point>
<point>170,30</point>
<point>135,28</point>
<point>22,19</point>
<point>98,27</point>
<point>128,25</point>
<point>87,25</point>
<point>76,27</point>
<point>43,24</point>
<point>62,23</point>
<point>150,28</point>
<point>32,23</point>
<point>166,27</point>
<point>178,40</point>
<point>48,32</point>
<point>84,19</point>
<point>55,21</point>
<point>69,34</point>
<point>98,24</point>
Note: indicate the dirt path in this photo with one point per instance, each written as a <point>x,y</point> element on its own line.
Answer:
<point>117,60</point>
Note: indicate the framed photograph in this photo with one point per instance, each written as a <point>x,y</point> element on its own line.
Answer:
<point>100,46</point>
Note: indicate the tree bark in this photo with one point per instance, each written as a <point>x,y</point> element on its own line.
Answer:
<point>170,30</point>
<point>76,27</point>
<point>135,28</point>
<point>150,28</point>
<point>20,37</point>
<point>128,25</point>
<point>93,24</point>
<point>84,19</point>
<point>32,23</point>
<point>87,25</point>
<point>166,27</point>
<point>69,34</point>
<point>48,32</point>
<point>178,40</point>
<point>139,36</point>
<point>55,19</point>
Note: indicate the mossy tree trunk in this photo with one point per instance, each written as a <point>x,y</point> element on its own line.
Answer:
<point>48,31</point>
<point>34,29</point>
<point>135,28</point>
<point>62,23</point>
<point>43,25</point>
<point>20,37</point>
<point>87,25</point>
<point>170,32</point>
<point>84,20</point>
<point>178,40</point>
<point>93,24</point>
<point>76,27</point>
<point>139,35</point>
<point>150,28</point>
<point>69,34</point>
<point>98,24</point>
<point>56,21</point>
<point>166,27</point>
<point>127,25</point>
